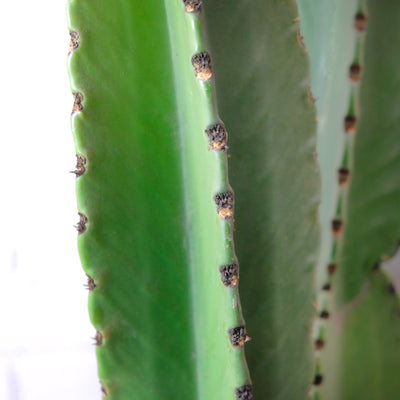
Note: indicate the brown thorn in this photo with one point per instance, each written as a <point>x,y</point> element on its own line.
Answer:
<point>337,226</point>
<point>90,285</point>
<point>80,166</point>
<point>224,201</point>
<point>349,124</point>
<point>103,390</point>
<point>318,379</point>
<point>244,392</point>
<point>225,212</point>
<point>192,6</point>
<point>319,344</point>
<point>81,226</point>
<point>343,176</point>
<point>202,66</point>
<point>300,38</point>
<point>332,269</point>
<point>324,314</point>
<point>229,274</point>
<point>360,21</point>
<point>327,287</point>
<point>355,72</point>
<point>310,95</point>
<point>238,336</point>
<point>217,136</point>
<point>73,43</point>
<point>98,339</point>
<point>78,98</point>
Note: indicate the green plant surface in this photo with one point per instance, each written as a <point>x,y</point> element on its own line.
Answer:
<point>151,239</point>
<point>360,356</point>
<point>362,343</point>
<point>262,78</point>
<point>327,27</point>
<point>373,222</point>
<point>371,331</point>
<point>153,236</point>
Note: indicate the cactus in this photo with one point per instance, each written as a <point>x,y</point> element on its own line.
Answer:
<point>155,230</point>
<point>274,174</point>
<point>359,153</point>
<point>158,218</point>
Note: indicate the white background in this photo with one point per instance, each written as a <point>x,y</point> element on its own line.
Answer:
<point>46,350</point>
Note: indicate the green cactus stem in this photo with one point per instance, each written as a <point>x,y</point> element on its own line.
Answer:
<point>157,212</point>
<point>357,346</point>
<point>262,79</point>
<point>156,208</point>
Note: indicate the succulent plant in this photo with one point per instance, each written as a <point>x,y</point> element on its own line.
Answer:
<point>165,92</point>
<point>354,76</point>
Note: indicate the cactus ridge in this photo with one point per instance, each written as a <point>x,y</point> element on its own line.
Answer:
<point>217,135</point>
<point>357,302</point>
<point>324,303</point>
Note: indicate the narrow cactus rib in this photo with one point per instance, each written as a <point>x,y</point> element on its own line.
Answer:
<point>154,242</point>
<point>221,193</point>
<point>373,222</point>
<point>322,325</point>
<point>373,187</point>
<point>360,300</point>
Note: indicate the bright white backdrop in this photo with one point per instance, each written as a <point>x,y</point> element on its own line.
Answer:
<point>46,351</point>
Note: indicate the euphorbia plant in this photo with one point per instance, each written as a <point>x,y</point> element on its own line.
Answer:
<point>159,218</point>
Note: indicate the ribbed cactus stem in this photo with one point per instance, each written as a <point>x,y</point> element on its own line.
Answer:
<point>358,149</point>
<point>155,205</point>
<point>222,193</point>
<point>338,221</point>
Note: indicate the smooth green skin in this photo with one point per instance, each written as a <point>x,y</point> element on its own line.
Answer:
<point>372,219</point>
<point>327,27</point>
<point>361,358</point>
<point>363,346</point>
<point>154,241</point>
<point>374,194</point>
<point>261,73</point>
